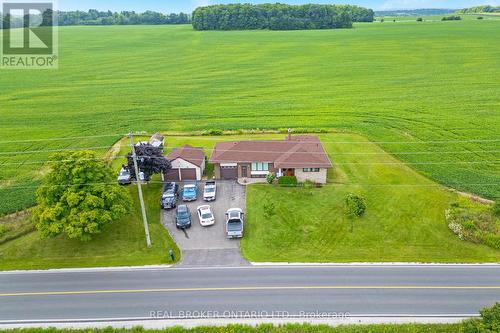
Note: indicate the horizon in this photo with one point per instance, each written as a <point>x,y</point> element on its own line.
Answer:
<point>176,6</point>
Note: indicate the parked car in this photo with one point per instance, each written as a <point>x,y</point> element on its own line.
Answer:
<point>182,217</point>
<point>144,177</point>
<point>209,191</point>
<point>190,192</point>
<point>235,220</point>
<point>206,216</point>
<point>169,196</point>
<point>124,178</point>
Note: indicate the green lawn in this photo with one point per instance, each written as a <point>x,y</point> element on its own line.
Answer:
<point>419,83</point>
<point>121,244</point>
<point>404,221</point>
<point>292,328</point>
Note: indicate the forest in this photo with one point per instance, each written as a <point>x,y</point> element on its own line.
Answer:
<point>95,17</point>
<point>278,17</point>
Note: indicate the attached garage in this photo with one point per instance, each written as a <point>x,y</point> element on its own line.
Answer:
<point>228,172</point>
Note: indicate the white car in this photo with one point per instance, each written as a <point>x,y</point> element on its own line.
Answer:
<point>206,216</point>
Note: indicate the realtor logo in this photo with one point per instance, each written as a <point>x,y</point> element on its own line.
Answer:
<point>29,35</point>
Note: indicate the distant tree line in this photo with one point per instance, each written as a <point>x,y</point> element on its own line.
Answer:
<point>278,16</point>
<point>95,17</point>
<point>479,9</point>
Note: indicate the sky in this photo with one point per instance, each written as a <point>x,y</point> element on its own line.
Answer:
<point>175,6</point>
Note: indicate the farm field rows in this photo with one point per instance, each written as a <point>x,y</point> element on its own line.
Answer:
<point>426,92</point>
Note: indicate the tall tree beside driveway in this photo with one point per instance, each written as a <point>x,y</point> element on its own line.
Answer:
<point>78,197</point>
<point>150,160</point>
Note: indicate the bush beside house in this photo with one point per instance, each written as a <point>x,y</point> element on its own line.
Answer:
<point>288,181</point>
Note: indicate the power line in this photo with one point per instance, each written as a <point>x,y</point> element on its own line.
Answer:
<point>265,184</point>
<point>308,163</point>
<point>221,138</point>
<point>30,152</point>
<point>27,152</point>
<point>63,138</point>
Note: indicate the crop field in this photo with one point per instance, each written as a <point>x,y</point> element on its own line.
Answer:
<point>426,92</point>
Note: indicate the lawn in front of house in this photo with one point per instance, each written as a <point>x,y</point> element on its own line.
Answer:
<point>122,243</point>
<point>404,220</point>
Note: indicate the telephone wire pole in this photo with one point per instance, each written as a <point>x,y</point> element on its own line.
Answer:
<point>139,189</point>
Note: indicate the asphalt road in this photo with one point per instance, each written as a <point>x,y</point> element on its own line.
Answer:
<point>275,291</point>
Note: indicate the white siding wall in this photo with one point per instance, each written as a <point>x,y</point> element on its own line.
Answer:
<point>317,177</point>
<point>179,163</point>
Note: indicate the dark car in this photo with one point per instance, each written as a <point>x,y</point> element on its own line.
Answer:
<point>183,217</point>
<point>169,196</point>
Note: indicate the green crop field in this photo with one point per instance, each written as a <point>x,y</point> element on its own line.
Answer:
<point>426,92</point>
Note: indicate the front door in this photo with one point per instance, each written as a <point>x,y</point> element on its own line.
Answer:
<point>244,171</point>
<point>289,172</point>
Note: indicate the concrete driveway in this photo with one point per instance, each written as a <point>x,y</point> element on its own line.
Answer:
<point>208,246</point>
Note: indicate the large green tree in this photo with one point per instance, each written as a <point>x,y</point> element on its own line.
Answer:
<point>78,197</point>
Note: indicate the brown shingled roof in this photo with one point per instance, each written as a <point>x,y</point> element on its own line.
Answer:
<point>300,152</point>
<point>188,153</point>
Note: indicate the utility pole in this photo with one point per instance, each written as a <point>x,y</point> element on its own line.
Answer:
<point>139,189</point>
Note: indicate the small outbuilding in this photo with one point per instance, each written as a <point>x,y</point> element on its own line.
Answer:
<point>188,163</point>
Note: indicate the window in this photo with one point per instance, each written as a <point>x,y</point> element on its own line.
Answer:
<point>260,166</point>
<point>311,169</point>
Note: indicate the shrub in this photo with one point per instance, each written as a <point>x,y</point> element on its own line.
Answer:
<point>420,19</point>
<point>288,181</point>
<point>489,322</point>
<point>355,205</point>
<point>491,317</point>
<point>451,18</point>
<point>270,178</point>
<point>480,17</point>
<point>213,132</point>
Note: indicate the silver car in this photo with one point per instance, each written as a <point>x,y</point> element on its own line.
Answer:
<point>235,222</point>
